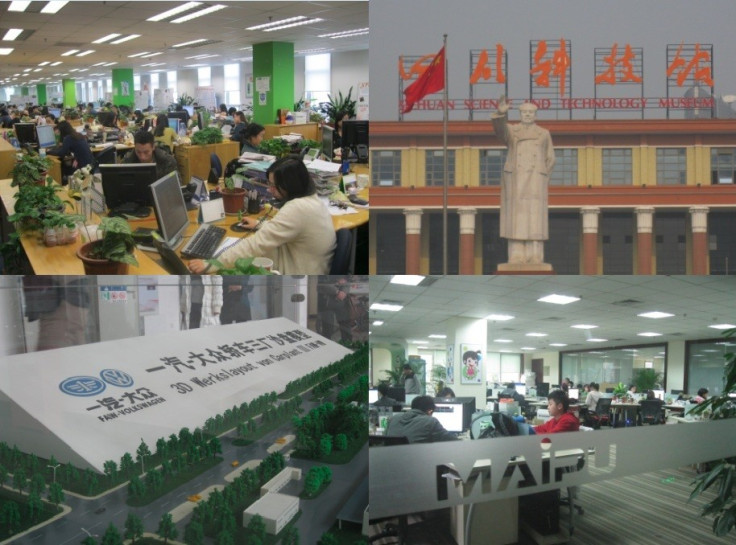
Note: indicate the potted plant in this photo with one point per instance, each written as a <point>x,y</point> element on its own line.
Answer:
<point>242,266</point>
<point>620,391</point>
<point>30,169</point>
<point>60,228</point>
<point>33,202</point>
<point>208,135</point>
<point>339,104</point>
<point>113,252</point>
<point>232,197</point>
<point>646,379</point>
<point>276,147</point>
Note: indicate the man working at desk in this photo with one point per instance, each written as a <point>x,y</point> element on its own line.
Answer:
<point>418,425</point>
<point>558,404</point>
<point>146,152</point>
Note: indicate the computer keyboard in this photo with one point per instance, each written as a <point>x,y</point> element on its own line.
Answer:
<point>204,243</point>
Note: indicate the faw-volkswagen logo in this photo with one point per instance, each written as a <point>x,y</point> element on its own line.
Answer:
<point>82,386</point>
<point>116,378</point>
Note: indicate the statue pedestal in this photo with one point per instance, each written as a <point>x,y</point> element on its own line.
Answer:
<point>524,268</point>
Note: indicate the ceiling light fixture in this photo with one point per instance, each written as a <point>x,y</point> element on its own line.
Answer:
<point>57,63</point>
<point>18,6</point>
<point>6,50</point>
<point>584,326</point>
<point>106,38</point>
<point>502,340</point>
<point>527,348</point>
<point>149,55</point>
<point>290,25</point>
<point>54,7</point>
<point>436,336</point>
<point>386,306</point>
<point>138,54</point>
<point>12,34</point>
<point>85,53</point>
<point>655,314</point>
<point>406,279</point>
<point>276,23</point>
<point>99,63</point>
<point>109,63</point>
<point>722,326</point>
<point>558,299</point>
<point>343,33</point>
<point>558,344</point>
<point>190,42</point>
<point>206,11</point>
<point>44,63</point>
<point>597,340</point>
<point>536,334</point>
<point>499,317</point>
<point>378,322</point>
<point>174,11</point>
<point>126,39</point>
<point>70,52</point>
<point>649,334</point>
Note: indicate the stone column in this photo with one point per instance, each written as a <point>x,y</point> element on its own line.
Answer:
<point>590,239</point>
<point>644,221</point>
<point>413,239</point>
<point>699,222</point>
<point>467,240</point>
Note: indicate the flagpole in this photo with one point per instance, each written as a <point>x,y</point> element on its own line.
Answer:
<point>444,159</point>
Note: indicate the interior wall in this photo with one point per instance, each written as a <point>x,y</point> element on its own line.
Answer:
<point>348,70</point>
<point>186,82</point>
<point>551,360</point>
<point>675,366</point>
<point>381,361</point>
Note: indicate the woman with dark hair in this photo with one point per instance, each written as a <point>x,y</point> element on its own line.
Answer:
<point>251,137</point>
<point>300,239</point>
<point>337,134</point>
<point>75,143</point>
<point>236,134</point>
<point>163,133</point>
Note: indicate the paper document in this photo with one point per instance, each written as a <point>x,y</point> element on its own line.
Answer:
<point>323,166</point>
<point>251,157</point>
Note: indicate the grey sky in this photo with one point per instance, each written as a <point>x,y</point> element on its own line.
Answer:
<point>415,27</point>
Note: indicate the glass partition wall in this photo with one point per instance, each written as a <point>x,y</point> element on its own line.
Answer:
<point>609,366</point>
<point>705,364</point>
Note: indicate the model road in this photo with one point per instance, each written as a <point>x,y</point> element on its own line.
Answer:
<point>316,518</point>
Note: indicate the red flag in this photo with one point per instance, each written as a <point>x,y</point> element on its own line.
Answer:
<point>431,81</point>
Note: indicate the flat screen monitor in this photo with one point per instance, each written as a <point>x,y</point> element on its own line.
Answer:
<point>397,392</point>
<point>410,398</point>
<point>182,116</point>
<point>659,394</point>
<point>46,137</point>
<point>170,208</point>
<point>127,185</point>
<point>450,416</point>
<point>25,133</point>
<point>372,396</point>
<point>189,110</point>
<point>573,393</point>
<point>542,389</point>
<point>56,112</point>
<point>174,124</point>
<point>354,133</point>
<point>676,392</point>
<point>328,143</point>
<point>520,388</point>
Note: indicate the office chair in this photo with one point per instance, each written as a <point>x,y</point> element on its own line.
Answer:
<point>602,414</point>
<point>106,156</point>
<point>343,252</point>
<point>215,169</point>
<point>651,412</point>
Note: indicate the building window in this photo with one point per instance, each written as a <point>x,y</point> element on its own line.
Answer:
<point>434,165</point>
<point>617,166</point>
<point>670,230</point>
<point>317,78</point>
<point>386,168</point>
<point>154,82</point>
<point>722,165</point>
<point>491,166</point>
<point>136,83</point>
<point>565,171</point>
<point>204,76</point>
<point>671,166</point>
<point>617,237</point>
<point>232,84</point>
<point>171,83</point>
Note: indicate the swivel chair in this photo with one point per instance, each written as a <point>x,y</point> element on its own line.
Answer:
<point>343,252</point>
<point>215,169</point>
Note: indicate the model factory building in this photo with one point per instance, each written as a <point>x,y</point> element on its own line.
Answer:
<point>275,509</point>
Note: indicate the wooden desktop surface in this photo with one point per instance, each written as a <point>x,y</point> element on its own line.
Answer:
<point>63,259</point>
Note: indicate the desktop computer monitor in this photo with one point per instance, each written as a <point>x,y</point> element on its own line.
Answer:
<point>355,137</point>
<point>56,112</point>
<point>170,208</point>
<point>25,133</point>
<point>328,143</point>
<point>520,388</point>
<point>397,392</point>
<point>46,137</point>
<point>542,389</point>
<point>189,110</point>
<point>174,124</point>
<point>126,187</point>
<point>659,394</point>
<point>466,404</point>
<point>180,115</point>
<point>450,416</point>
<point>573,393</point>
<point>372,396</point>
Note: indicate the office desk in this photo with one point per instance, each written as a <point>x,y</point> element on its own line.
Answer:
<point>625,409</point>
<point>63,260</point>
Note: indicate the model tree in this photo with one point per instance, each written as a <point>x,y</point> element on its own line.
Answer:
<point>56,494</point>
<point>328,539</point>
<point>110,468</point>
<point>166,528</point>
<point>162,448</point>
<point>325,445</point>
<point>112,536</point>
<point>291,536</point>
<point>89,540</point>
<point>20,481</point>
<point>194,534</point>
<point>225,538</point>
<point>10,515</point>
<point>141,453</point>
<point>341,441</point>
<point>126,464</point>
<point>3,475</point>
<point>136,488</point>
<point>133,527</point>
<point>35,505</point>
<point>257,527</point>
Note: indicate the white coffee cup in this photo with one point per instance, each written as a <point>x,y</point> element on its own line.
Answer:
<point>263,262</point>
<point>362,181</point>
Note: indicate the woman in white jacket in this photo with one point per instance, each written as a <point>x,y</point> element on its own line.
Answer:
<point>200,301</point>
<point>300,239</point>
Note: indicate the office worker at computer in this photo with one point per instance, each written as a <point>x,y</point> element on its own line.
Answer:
<point>6,122</point>
<point>236,135</point>
<point>418,425</point>
<point>337,135</point>
<point>251,137</point>
<point>163,133</point>
<point>75,143</point>
<point>558,404</point>
<point>702,395</point>
<point>300,239</point>
<point>146,152</point>
<point>591,400</point>
<point>383,399</point>
<point>446,392</point>
<point>510,392</point>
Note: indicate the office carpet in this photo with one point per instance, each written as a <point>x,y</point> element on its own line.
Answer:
<point>646,509</point>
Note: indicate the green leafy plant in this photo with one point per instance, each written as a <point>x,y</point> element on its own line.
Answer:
<point>275,146</point>
<point>33,202</point>
<point>209,135</point>
<point>229,183</point>
<point>721,477</point>
<point>620,389</point>
<point>185,100</point>
<point>30,169</point>
<point>309,143</point>
<point>439,375</point>
<point>338,104</point>
<point>242,266</point>
<point>646,379</point>
<point>299,106</point>
<point>117,242</point>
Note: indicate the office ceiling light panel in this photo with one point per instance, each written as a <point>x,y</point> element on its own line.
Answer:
<point>70,52</point>
<point>6,50</point>
<point>378,322</point>
<point>18,6</point>
<point>211,9</point>
<point>138,54</point>
<point>125,39</point>
<point>499,317</point>
<point>54,7</point>
<point>12,34</point>
<point>390,307</point>
<point>436,336</point>
<point>722,326</point>
<point>85,53</point>
<point>655,315</point>
<point>105,38</point>
<point>174,11</point>
<point>536,334</point>
<point>149,55</point>
<point>276,23</point>
<point>406,279</point>
<point>291,25</point>
<point>649,334</point>
<point>44,63</point>
<point>584,326</point>
<point>558,299</point>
